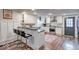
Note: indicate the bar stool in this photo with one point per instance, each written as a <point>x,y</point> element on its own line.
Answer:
<point>22,34</point>
<point>16,31</point>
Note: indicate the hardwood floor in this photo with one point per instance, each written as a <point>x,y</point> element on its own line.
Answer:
<point>54,42</point>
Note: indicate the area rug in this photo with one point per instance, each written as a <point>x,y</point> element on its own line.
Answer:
<point>50,38</point>
<point>16,45</point>
<point>53,42</point>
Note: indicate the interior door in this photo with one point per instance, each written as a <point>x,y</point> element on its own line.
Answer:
<point>70,26</point>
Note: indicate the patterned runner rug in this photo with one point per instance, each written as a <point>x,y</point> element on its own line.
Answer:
<point>16,45</point>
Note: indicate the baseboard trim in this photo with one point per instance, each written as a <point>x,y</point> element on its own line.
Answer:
<point>7,41</point>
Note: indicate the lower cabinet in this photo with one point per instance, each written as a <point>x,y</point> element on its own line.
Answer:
<point>46,29</point>
<point>59,31</point>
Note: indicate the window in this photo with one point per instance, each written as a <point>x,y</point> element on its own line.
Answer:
<point>69,22</point>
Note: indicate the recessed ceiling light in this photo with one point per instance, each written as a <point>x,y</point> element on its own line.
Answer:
<point>33,9</point>
<point>35,13</point>
<point>64,14</point>
<point>50,14</point>
<point>24,12</point>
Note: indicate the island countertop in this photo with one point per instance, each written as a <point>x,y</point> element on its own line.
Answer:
<point>33,28</point>
<point>29,28</point>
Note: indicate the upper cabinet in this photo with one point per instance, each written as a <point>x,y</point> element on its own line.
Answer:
<point>48,20</point>
<point>59,19</point>
<point>29,18</point>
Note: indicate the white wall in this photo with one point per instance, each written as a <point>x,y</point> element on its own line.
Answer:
<point>76,34</point>
<point>7,26</point>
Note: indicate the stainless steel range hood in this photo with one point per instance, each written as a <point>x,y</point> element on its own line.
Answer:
<point>54,19</point>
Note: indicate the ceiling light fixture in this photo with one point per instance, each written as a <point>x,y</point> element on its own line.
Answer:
<point>35,13</point>
<point>54,19</point>
<point>24,12</point>
<point>33,9</point>
<point>64,14</point>
<point>50,14</point>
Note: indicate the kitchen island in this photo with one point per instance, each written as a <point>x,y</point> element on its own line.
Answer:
<point>36,40</point>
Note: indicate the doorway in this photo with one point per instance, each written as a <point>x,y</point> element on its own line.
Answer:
<point>70,26</point>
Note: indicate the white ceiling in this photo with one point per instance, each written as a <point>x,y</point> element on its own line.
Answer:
<point>47,11</point>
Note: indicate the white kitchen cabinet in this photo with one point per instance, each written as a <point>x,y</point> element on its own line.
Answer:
<point>37,39</point>
<point>59,31</point>
<point>46,29</point>
<point>59,19</point>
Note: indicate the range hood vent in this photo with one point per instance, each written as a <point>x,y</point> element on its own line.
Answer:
<point>54,19</point>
